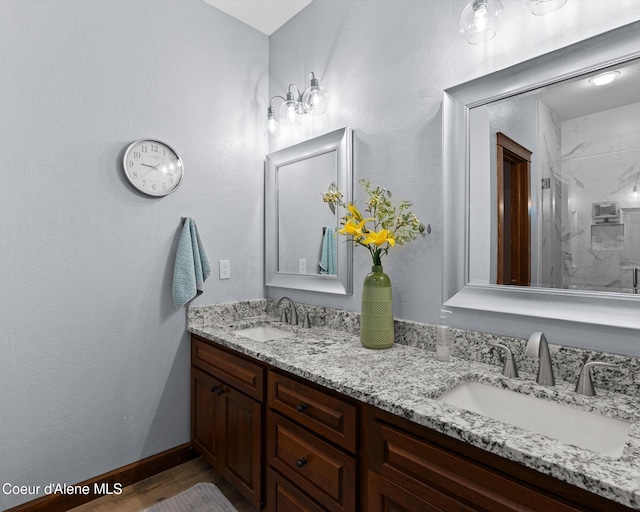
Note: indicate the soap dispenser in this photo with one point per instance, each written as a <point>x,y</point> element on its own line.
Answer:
<point>443,338</point>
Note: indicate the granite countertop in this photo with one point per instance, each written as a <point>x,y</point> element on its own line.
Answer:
<point>405,381</point>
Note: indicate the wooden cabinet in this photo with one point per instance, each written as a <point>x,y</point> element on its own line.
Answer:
<point>413,469</point>
<point>311,444</point>
<point>226,423</point>
<point>315,450</point>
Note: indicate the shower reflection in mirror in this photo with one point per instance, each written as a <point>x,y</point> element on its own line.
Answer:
<point>563,161</point>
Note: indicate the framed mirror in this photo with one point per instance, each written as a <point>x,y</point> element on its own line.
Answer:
<point>539,170</point>
<point>301,248</point>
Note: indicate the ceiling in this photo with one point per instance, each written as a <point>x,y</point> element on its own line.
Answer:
<point>267,16</point>
<point>577,97</point>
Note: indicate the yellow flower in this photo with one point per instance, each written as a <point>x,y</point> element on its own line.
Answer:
<point>353,227</point>
<point>389,223</point>
<point>379,238</point>
<point>355,213</point>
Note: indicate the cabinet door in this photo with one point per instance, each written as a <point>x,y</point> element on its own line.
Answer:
<point>207,424</point>
<point>243,443</point>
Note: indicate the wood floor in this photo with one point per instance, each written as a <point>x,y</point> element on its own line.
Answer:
<point>146,493</point>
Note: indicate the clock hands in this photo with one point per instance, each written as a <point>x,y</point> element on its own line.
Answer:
<point>152,168</point>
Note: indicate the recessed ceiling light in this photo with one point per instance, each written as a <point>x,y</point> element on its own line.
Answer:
<point>604,78</point>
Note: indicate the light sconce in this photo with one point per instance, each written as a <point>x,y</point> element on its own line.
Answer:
<point>479,20</point>
<point>296,104</point>
<point>542,7</point>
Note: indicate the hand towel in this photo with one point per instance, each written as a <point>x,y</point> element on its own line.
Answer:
<point>328,258</point>
<point>192,266</point>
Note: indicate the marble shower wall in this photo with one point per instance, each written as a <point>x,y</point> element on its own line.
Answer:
<point>549,146</point>
<point>600,162</point>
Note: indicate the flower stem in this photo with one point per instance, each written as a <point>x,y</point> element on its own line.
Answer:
<point>376,258</point>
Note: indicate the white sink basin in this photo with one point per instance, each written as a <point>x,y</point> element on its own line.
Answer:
<point>263,333</point>
<point>553,419</point>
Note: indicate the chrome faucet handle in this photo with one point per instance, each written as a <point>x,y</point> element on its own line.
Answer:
<point>537,346</point>
<point>584,386</point>
<point>509,369</point>
<point>292,319</point>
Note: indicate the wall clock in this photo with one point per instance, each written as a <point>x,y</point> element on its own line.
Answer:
<point>152,167</point>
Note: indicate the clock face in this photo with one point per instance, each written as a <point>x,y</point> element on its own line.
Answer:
<point>153,167</point>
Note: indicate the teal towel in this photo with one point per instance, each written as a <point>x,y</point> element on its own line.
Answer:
<point>328,258</point>
<point>192,267</point>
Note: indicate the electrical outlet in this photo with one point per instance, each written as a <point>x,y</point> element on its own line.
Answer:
<point>302,266</point>
<point>225,269</point>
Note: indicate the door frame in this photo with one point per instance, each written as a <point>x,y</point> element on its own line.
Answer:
<point>511,151</point>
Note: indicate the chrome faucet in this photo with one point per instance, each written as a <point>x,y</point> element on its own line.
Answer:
<point>537,346</point>
<point>293,317</point>
<point>584,386</point>
<point>509,369</point>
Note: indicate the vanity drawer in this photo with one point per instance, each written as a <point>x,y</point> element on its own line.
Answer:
<point>331,417</point>
<point>236,371</point>
<point>421,467</point>
<point>385,496</point>
<point>321,471</point>
<point>282,496</point>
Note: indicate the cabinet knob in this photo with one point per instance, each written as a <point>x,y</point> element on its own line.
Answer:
<point>219,391</point>
<point>301,407</point>
<point>214,389</point>
<point>301,462</point>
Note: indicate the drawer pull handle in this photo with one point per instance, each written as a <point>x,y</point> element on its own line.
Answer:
<point>301,462</point>
<point>301,407</point>
<point>217,390</point>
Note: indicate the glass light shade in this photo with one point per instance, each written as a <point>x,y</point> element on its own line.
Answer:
<point>289,113</point>
<point>542,7</point>
<point>315,100</point>
<point>480,20</point>
<point>272,126</point>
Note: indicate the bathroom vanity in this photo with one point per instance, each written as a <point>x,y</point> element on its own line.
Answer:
<point>314,421</point>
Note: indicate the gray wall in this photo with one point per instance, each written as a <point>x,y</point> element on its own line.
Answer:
<point>385,64</point>
<point>94,361</point>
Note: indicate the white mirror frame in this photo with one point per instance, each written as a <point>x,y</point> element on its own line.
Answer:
<point>540,307</point>
<point>339,141</point>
